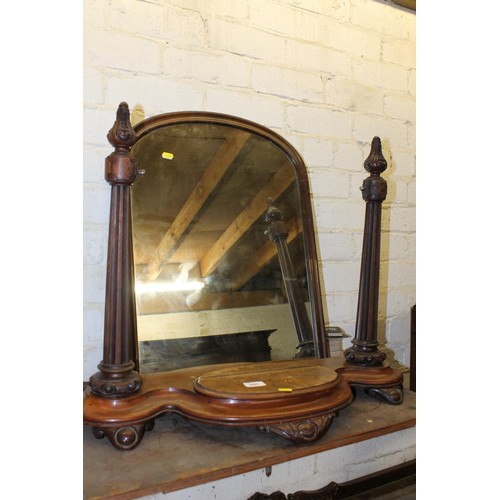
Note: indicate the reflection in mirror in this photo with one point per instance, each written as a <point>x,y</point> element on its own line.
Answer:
<point>209,286</point>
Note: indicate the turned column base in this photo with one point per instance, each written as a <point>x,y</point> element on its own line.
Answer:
<point>305,350</point>
<point>364,353</point>
<point>115,381</point>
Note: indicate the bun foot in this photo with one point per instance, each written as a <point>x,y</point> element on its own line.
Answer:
<point>126,437</point>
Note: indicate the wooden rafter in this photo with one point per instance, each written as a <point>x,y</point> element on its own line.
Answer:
<point>409,4</point>
<point>280,181</point>
<point>209,180</point>
<point>161,303</point>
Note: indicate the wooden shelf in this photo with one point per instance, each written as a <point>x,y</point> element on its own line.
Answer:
<point>182,453</point>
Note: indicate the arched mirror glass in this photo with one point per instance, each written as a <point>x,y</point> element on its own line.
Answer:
<point>209,285</point>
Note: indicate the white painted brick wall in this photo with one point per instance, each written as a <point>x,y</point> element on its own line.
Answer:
<point>154,93</point>
<point>124,51</point>
<point>214,8</point>
<point>284,19</point>
<point>319,121</point>
<point>372,15</point>
<point>322,187</point>
<point>352,40</point>
<point>205,67</point>
<point>345,94</point>
<point>287,83</point>
<point>395,51</point>
<point>325,59</point>
<point>148,20</point>
<point>328,76</point>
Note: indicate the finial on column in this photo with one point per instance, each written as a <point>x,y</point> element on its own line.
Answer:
<point>364,350</point>
<point>120,165</point>
<point>274,217</point>
<point>375,163</point>
<point>116,376</point>
<point>121,133</point>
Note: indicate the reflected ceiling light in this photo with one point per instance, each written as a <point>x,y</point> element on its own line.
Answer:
<point>168,286</point>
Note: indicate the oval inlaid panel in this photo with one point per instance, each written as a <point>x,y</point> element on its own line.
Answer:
<point>266,380</point>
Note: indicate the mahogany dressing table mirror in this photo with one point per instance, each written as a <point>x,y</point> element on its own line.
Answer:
<point>213,306</point>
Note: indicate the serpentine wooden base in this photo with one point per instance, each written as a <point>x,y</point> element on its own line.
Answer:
<point>294,399</point>
<point>382,382</point>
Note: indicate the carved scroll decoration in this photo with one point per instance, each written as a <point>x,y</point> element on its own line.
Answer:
<point>303,431</point>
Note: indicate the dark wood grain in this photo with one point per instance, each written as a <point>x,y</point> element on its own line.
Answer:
<point>364,358</point>
<point>117,376</point>
<point>364,350</point>
<point>413,348</point>
<point>179,391</point>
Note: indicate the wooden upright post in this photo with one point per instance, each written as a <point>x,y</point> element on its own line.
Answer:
<point>278,234</point>
<point>364,350</point>
<point>116,376</point>
<point>364,364</point>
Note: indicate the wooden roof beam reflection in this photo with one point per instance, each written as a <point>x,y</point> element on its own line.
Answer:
<point>280,181</point>
<point>263,256</point>
<point>218,166</point>
<point>164,303</point>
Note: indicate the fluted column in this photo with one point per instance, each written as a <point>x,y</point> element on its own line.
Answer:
<point>278,233</point>
<point>364,350</point>
<point>117,376</point>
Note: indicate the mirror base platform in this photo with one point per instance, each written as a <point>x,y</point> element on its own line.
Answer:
<point>296,400</point>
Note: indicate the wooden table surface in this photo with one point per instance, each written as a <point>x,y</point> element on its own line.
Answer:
<point>179,453</point>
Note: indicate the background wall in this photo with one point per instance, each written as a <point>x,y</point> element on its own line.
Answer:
<point>327,75</point>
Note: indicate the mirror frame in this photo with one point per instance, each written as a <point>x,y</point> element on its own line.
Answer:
<point>156,122</point>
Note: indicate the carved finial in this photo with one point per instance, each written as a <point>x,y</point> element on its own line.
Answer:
<point>121,166</point>
<point>375,163</point>
<point>273,213</point>
<point>274,218</point>
<point>122,135</point>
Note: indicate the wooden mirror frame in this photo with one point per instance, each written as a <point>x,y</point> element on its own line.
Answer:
<point>197,117</point>
<point>121,403</point>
